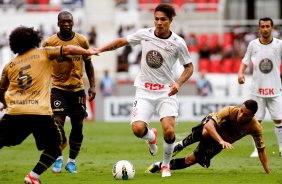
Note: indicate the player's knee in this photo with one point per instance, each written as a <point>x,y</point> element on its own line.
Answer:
<point>138,129</point>
<point>169,135</point>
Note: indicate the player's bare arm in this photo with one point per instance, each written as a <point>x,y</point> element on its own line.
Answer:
<point>263,160</point>
<point>91,78</point>
<point>210,129</point>
<point>115,44</point>
<point>241,76</point>
<point>186,74</point>
<point>71,49</point>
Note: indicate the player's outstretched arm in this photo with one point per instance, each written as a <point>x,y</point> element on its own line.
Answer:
<point>73,50</point>
<point>113,45</point>
<point>264,160</point>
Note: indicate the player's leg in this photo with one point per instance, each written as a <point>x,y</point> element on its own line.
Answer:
<point>193,137</point>
<point>60,109</point>
<point>49,137</point>
<point>77,109</point>
<point>274,107</point>
<point>167,108</point>
<point>142,111</point>
<point>168,143</point>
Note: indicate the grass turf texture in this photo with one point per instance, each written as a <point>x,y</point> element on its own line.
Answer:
<point>106,143</point>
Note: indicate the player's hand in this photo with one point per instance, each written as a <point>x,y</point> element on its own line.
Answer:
<point>225,145</point>
<point>241,78</point>
<point>94,51</point>
<point>174,88</point>
<point>91,93</point>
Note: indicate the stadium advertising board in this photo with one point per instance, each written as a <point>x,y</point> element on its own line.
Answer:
<point>191,108</point>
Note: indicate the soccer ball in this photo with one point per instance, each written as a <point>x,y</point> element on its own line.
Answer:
<point>123,170</point>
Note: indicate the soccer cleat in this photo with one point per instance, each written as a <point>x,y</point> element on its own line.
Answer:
<point>254,154</point>
<point>155,167</point>
<point>30,180</point>
<point>71,168</point>
<point>153,147</point>
<point>58,164</point>
<point>165,171</point>
<point>177,148</point>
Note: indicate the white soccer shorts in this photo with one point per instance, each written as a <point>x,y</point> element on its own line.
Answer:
<point>148,102</point>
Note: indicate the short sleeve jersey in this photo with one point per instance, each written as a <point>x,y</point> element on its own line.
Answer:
<point>67,71</point>
<point>266,60</point>
<point>158,57</point>
<point>231,130</point>
<point>29,77</point>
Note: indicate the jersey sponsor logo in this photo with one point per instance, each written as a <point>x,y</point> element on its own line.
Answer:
<point>57,103</point>
<point>151,86</point>
<point>58,110</point>
<point>154,59</point>
<point>266,91</point>
<point>32,57</point>
<point>24,102</point>
<point>265,66</point>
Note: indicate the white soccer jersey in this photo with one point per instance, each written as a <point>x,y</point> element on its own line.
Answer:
<point>158,57</point>
<point>266,61</point>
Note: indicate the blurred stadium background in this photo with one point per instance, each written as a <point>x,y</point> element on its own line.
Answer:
<point>216,32</point>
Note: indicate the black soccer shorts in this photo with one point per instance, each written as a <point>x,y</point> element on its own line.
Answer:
<point>14,129</point>
<point>68,103</point>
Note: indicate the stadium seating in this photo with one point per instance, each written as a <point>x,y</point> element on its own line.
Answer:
<point>237,63</point>
<point>227,65</point>
<point>204,64</point>
<point>215,66</point>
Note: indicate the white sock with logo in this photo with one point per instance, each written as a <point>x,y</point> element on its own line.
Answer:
<point>167,153</point>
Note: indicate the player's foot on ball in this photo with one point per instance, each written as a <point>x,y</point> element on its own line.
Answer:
<point>155,167</point>
<point>153,147</point>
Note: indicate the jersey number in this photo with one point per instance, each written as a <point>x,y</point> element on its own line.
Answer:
<point>24,77</point>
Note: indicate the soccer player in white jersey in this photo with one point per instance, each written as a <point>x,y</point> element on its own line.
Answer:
<point>265,53</point>
<point>155,88</point>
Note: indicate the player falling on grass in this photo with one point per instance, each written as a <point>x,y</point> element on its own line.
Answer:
<point>25,93</point>
<point>67,95</point>
<point>218,131</point>
<point>265,54</point>
<point>155,88</point>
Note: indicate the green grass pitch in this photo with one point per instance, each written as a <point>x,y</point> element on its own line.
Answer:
<point>106,143</point>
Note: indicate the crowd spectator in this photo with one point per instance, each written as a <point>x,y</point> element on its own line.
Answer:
<point>107,84</point>
<point>204,87</point>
